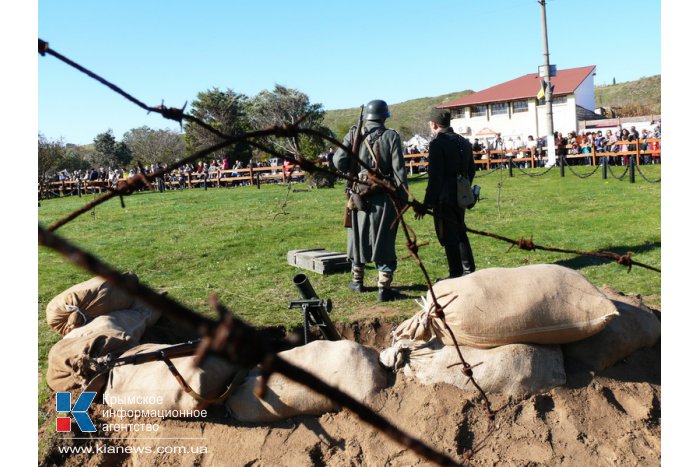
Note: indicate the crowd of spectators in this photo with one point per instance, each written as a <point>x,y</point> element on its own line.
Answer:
<point>200,173</point>
<point>619,140</point>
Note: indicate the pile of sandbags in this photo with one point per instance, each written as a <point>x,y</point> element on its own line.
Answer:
<point>153,382</point>
<point>349,366</point>
<point>537,304</point>
<point>95,320</point>
<point>70,359</point>
<point>513,369</point>
<point>77,305</point>
<point>634,328</point>
<point>518,325</point>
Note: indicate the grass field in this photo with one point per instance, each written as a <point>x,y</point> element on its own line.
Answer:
<point>234,242</point>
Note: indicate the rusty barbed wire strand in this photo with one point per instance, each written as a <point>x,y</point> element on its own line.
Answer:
<point>213,331</point>
<point>524,244</point>
<point>170,113</point>
<point>287,130</point>
<point>239,342</point>
<point>413,247</point>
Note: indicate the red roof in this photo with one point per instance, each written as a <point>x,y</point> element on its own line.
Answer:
<point>525,87</point>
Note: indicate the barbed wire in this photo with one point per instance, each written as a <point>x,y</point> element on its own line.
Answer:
<point>524,244</point>
<point>234,339</point>
<point>269,360</point>
<point>235,332</point>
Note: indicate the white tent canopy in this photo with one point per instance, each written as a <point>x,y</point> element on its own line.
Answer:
<point>417,141</point>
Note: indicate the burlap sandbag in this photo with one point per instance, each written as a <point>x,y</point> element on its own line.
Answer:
<point>634,328</point>
<point>537,304</point>
<point>153,380</point>
<point>514,369</point>
<point>69,359</point>
<point>82,302</point>
<point>344,364</point>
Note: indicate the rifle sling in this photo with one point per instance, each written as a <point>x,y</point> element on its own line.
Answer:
<point>237,380</point>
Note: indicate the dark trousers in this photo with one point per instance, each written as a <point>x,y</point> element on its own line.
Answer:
<point>452,234</point>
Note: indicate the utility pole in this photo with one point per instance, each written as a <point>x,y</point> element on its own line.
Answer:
<point>546,73</point>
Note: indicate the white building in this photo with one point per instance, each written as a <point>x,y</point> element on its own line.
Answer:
<point>512,108</point>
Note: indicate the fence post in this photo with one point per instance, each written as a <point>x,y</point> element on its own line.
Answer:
<point>561,164</point>
<point>257,180</point>
<point>631,169</point>
<point>605,168</point>
<point>510,167</point>
<point>593,152</point>
<point>638,150</point>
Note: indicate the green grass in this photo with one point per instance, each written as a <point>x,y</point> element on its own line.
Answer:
<point>234,242</point>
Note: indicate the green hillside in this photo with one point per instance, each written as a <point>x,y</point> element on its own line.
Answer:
<point>409,117</point>
<point>644,92</point>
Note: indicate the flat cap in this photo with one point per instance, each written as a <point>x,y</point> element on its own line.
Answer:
<point>440,116</point>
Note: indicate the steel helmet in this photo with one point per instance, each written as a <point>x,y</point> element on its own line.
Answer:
<point>377,110</point>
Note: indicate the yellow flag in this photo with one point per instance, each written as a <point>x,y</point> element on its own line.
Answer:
<point>540,95</point>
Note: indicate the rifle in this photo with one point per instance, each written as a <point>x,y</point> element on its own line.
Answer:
<point>354,168</point>
<point>103,365</point>
<point>106,363</point>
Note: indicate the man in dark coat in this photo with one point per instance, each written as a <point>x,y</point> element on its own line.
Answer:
<point>371,237</point>
<point>449,154</point>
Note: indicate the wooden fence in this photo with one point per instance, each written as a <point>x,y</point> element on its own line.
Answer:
<point>415,163</point>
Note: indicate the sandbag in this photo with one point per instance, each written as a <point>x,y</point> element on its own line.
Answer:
<point>634,328</point>
<point>129,385</point>
<point>515,369</point>
<point>77,305</point>
<point>69,359</point>
<point>536,304</point>
<point>344,364</point>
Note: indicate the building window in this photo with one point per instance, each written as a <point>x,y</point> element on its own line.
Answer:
<point>519,106</point>
<point>499,108</point>
<point>459,112</point>
<point>555,100</point>
<point>478,110</point>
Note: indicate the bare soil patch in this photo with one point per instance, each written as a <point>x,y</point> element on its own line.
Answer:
<point>609,418</point>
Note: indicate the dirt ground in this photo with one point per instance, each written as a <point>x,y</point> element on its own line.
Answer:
<point>609,418</point>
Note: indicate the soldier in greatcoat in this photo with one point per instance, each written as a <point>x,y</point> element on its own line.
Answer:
<point>371,237</point>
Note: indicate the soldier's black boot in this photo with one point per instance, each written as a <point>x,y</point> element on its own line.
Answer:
<point>465,252</point>
<point>454,260</point>
<point>384,292</point>
<point>358,276</point>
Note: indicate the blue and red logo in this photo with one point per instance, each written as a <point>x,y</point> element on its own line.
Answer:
<point>78,411</point>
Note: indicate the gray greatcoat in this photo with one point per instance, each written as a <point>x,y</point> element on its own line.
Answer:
<point>371,238</point>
